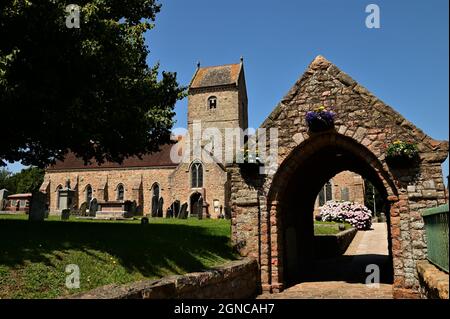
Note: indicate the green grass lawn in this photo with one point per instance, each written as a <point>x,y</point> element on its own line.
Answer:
<point>33,256</point>
<point>328,228</point>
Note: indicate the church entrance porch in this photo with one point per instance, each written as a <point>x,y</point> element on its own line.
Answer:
<point>272,213</point>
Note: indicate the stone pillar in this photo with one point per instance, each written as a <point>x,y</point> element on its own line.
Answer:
<point>276,248</point>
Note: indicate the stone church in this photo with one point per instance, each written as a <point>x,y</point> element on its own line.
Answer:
<point>217,98</point>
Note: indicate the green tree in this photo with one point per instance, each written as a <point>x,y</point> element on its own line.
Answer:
<point>5,180</point>
<point>88,89</point>
<point>29,180</point>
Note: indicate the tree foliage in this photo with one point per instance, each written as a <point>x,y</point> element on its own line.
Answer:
<point>89,89</point>
<point>27,180</point>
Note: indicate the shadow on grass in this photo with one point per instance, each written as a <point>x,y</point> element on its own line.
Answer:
<point>151,249</point>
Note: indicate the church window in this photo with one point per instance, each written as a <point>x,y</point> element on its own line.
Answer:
<point>88,194</point>
<point>325,194</point>
<point>120,192</point>
<point>197,175</point>
<point>212,102</point>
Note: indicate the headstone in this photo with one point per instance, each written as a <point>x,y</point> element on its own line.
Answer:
<point>66,196</point>
<point>169,212</point>
<point>93,207</point>
<point>183,211</point>
<point>37,210</point>
<point>160,207</point>
<point>200,207</point>
<point>65,214</point>
<point>176,208</point>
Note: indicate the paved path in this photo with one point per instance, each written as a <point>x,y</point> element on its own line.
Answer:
<point>344,277</point>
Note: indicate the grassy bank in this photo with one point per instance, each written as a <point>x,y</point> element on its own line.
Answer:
<point>34,256</point>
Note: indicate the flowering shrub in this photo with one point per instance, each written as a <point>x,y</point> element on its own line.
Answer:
<point>357,215</point>
<point>319,120</point>
<point>401,152</point>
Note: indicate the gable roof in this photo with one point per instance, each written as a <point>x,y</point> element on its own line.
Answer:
<point>158,159</point>
<point>216,76</point>
<point>321,65</point>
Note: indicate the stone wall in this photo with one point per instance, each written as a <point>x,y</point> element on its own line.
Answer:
<point>215,181</point>
<point>235,280</point>
<point>364,127</point>
<point>354,183</point>
<point>434,283</point>
<point>137,184</point>
<point>326,246</point>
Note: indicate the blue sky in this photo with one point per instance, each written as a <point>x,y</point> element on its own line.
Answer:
<point>404,63</point>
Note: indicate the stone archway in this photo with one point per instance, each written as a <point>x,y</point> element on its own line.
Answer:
<point>294,190</point>
<point>364,125</point>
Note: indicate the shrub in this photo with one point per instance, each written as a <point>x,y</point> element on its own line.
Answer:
<point>359,216</point>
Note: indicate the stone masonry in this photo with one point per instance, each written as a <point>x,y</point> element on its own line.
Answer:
<point>262,204</point>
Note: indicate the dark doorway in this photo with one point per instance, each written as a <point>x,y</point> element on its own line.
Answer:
<point>196,205</point>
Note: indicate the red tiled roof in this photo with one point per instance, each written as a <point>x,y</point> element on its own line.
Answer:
<point>216,76</point>
<point>26,195</point>
<point>159,159</point>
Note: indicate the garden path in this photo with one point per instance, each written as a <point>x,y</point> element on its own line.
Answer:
<point>344,277</point>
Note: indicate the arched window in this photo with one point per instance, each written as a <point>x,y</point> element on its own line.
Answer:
<point>196,175</point>
<point>212,102</point>
<point>344,194</point>
<point>58,196</point>
<point>325,194</point>
<point>120,192</point>
<point>88,194</point>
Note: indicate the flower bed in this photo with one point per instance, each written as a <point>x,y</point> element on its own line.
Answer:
<point>320,120</point>
<point>359,216</point>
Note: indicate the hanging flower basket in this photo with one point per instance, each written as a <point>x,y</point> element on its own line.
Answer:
<point>320,120</point>
<point>402,154</point>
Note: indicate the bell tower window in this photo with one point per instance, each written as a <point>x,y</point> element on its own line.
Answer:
<point>212,102</point>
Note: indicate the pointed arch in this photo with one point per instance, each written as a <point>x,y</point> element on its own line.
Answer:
<point>196,174</point>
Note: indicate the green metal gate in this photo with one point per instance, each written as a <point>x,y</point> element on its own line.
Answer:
<point>436,225</point>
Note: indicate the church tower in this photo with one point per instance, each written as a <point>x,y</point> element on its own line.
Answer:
<point>217,98</point>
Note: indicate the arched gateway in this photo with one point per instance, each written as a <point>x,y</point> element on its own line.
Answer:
<point>272,214</point>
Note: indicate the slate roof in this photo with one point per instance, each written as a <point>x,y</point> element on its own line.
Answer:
<point>159,159</point>
<point>216,76</point>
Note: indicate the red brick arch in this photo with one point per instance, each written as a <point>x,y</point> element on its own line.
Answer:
<point>299,178</point>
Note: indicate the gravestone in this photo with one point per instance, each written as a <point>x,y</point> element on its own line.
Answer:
<point>93,207</point>
<point>176,208</point>
<point>65,214</point>
<point>183,211</point>
<point>169,212</point>
<point>66,196</point>
<point>37,211</point>
<point>160,207</point>
<point>200,207</point>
